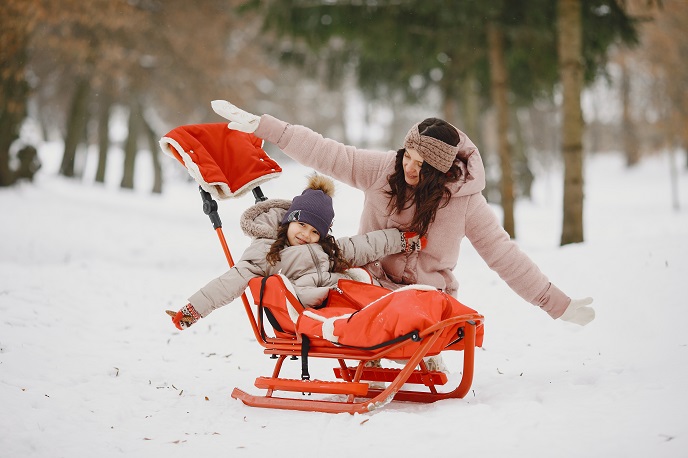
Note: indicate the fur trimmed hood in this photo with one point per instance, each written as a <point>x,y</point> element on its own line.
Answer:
<point>262,220</point>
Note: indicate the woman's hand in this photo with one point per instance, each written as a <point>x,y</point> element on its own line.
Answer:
<point>578,312</point>
<point>240,120</point>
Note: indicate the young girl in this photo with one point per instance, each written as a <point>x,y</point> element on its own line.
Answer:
<point>292,238</point>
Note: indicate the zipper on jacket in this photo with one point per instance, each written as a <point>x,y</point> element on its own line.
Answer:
<point>316,263</point>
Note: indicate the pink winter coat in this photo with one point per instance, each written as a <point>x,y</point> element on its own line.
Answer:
<point>467,215</point>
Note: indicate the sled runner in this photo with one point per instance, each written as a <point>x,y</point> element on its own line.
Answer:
<point>351,329</point>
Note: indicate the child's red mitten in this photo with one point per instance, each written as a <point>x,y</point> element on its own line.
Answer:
<point>185,317</point>
<point>411,241</point>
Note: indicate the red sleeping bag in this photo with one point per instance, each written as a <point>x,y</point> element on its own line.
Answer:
<point>360,315</point>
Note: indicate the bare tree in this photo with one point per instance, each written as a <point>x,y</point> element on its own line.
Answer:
<point>629,129</point>
<point>17,22</point>
<point>571,69</point>
<point>175,55</point>
<point>499,85</point>
<point>665,52</point>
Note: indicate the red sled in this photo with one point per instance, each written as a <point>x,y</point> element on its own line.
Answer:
<point>359,323</point>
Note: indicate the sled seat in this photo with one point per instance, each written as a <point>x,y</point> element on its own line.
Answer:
<point>349,391</point>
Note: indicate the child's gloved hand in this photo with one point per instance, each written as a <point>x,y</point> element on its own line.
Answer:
<point>185,317</point>
<point>240,120</point>
<point>411,241</point>
<point>578,312</point>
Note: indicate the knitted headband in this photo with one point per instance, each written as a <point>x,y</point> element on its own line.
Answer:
<point>435,152</point>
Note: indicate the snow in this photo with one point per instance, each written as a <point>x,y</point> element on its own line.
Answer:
<point>90,365</point>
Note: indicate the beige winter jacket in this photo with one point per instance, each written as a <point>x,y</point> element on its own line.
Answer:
<point>306,266</point>
<point>466,215</point>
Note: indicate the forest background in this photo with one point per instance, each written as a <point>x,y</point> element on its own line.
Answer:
<point>534,83</point>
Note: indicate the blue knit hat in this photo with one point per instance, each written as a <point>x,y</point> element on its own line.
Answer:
<point>314,205</point>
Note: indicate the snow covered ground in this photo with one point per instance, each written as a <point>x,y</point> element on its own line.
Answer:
<point>90,365</point>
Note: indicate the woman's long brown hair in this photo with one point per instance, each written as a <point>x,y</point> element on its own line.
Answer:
<point>328,244</point>
<point>431,193</point>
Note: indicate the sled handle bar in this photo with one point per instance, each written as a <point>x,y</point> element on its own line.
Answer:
<point>210,209</point>
<point>210,206</point>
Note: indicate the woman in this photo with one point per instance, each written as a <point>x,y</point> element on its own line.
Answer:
<point>432,186</point>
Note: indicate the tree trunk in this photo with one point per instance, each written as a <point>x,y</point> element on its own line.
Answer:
<point>8,129</point>
<point>131,144</point>
<point>499,85</point>
<point>76,126</point>
<point>103,137</point>
<point>673,177</point>
<point>629,135</point>
<point>571,68</point>
<point>523,175</point>
<point>471,109</point>
<point>155,153</point>
<point>449,109</point>
<point>17,23</point>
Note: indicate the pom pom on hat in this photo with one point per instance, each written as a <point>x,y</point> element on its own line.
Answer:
<point>314,205</point>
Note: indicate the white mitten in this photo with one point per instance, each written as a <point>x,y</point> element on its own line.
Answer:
<point>239,119</point>
<point>578,312</point>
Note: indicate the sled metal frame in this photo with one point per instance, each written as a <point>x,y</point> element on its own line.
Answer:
<point>350,392</point>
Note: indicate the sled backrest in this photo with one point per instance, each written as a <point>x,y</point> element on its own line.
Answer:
<point>278,303</point>
<point>276,299</point>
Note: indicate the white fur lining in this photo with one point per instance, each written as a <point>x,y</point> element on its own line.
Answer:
<point>359,274</point>
<point>404,288</point>
<point>219,190</point>
<point>418,287</point>
<point>293,313</point>
<point>327,324</point>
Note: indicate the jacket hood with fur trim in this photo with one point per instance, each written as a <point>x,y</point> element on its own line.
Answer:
<point>262,220</point>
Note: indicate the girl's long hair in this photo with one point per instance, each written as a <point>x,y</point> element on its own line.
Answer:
<point>431,193</point>
<point>328,244</point>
